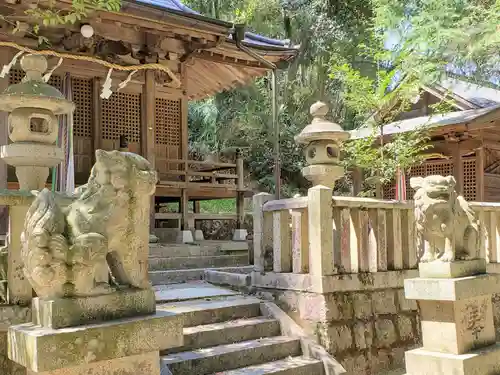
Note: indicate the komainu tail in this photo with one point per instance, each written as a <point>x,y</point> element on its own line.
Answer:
<point>44,245</point>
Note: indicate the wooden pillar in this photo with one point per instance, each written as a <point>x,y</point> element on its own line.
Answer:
<point>184,206</point>
<point>480,165</point>
<point>184,147</point>
<point>357,181</point>
<point>458,170</point>
<point>240,196</point>
<point>96,116</point>
<point>196,210</point>
<point>148,130</point>
<point>5,57</point>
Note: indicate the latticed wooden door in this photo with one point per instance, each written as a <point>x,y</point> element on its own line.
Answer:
<point>121,116</point>
<point>168,114</point>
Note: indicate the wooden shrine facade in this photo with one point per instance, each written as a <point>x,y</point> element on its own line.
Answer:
<point>465,144</point>
<point>191,57</point>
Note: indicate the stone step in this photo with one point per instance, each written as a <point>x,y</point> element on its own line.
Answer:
<point>190,291</point>
<point>170,263</point>
<point>199,312</point>
<point>288,366</point>
<point>207,335</point>
<point>179,276</point>
<point>205,248</point>
<point>231,356</point>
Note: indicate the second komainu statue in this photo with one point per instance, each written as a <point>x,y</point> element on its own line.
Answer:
<point>67,251</point>
<point>446,225</point>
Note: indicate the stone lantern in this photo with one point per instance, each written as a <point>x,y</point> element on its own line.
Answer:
<point>33,125</point>
<point>322,139</point>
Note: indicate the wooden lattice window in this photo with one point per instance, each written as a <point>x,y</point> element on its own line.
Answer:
<point>469,170</point>
<point>168,122</point>
<point>16,75</point>
<point>82,97</point>
<point>121,115</point>
<point>415,171</point>
<point>390,191</point>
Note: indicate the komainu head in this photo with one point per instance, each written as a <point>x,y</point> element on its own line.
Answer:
<point>124,171</point>
<point>435,187</point>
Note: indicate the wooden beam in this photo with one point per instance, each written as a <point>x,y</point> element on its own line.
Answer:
<point>222,59</point>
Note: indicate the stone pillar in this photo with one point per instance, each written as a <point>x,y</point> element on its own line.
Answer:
<point>454,295</point>
<point>33,124</point>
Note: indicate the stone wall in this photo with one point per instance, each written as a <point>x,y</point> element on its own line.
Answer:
<point>367,328</point>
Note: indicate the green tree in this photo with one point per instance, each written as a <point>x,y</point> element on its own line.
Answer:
<point>432,35</point>
<point>325,33</point>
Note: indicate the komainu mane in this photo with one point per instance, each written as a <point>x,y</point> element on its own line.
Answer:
<point>444,220</point>
<point>68,251</point>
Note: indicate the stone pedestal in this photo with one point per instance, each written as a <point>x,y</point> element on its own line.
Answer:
<point>456,314</point>
<point>110,334</point>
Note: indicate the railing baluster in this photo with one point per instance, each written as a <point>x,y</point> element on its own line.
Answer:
<point>381,235</point>
<point>493,238</point>
<point>410,255</point>
<point>300,241</point>
<point>483,241</point>
<point>345,240</point>
<point>395,251</point>
<point>337,239</point>
<point>354,246</point>
<point>282,242</point>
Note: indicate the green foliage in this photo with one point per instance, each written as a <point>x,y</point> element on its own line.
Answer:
<point>218,206</point>
<point>434,33</point>
<point>80,9</point>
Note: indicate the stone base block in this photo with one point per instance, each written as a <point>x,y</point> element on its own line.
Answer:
<point>451,270</point>
<point>452,289</point>
<point>142,364</point>
<point>457,327</point>
<point>240,235</point>
<point>480,362</point>
<point>198,235</point>
<point>45,349</point>
<point>185,236</point>
<point>70,312</point>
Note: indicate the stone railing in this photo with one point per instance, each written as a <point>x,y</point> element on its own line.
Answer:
<point>368,235</point>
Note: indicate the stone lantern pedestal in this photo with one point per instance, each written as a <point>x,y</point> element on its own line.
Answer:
<point>33,125</point>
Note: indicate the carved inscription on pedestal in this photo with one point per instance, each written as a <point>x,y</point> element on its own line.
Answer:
<point>474,318</point>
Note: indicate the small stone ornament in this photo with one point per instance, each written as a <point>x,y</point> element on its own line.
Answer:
<point>106,227</point>
<point>444,220</point>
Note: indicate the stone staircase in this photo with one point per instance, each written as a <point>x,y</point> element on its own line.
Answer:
<point>174,263</point>
<point>229,333</point>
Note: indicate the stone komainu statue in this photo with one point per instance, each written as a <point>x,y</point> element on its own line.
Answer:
<point>444,220</point>
<point>68,251</point>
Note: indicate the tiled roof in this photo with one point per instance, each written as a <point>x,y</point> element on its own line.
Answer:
<point>250,38</point>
